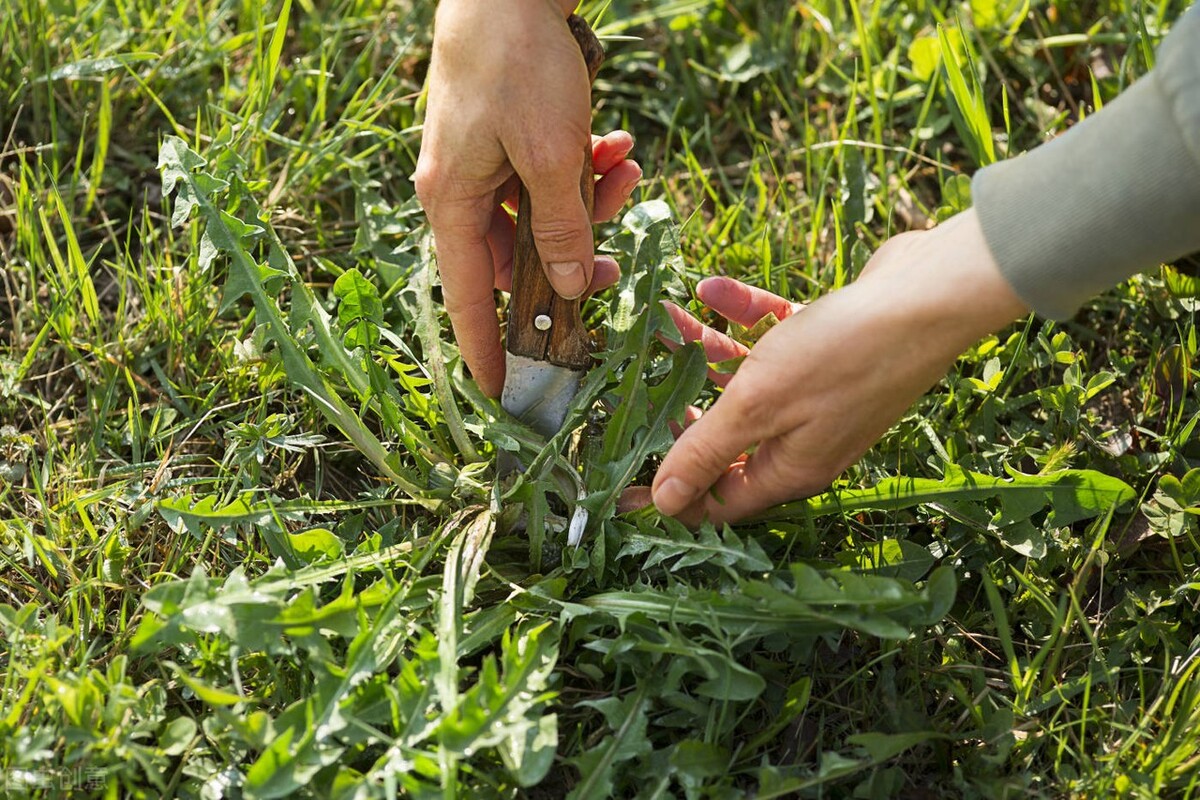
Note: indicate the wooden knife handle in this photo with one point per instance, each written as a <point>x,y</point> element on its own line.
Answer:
<point>566,341</point>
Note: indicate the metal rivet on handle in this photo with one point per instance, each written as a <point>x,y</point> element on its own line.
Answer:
<point>542,322</point>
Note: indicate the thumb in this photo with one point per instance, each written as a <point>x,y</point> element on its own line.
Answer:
<point>702,454</point>
<point>561,225</point>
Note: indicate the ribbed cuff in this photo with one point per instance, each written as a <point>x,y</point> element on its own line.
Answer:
<point>1116,194</point>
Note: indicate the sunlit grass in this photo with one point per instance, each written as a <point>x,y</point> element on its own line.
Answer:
<point>241,554</point>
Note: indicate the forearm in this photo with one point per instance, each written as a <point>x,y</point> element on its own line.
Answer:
<point>1117,194</point>
<point>942,289</point>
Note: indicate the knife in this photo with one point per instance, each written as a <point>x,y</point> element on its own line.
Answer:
<point>549,349</point>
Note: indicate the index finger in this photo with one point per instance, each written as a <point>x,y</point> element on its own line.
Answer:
<point>768,477</point>
<point>465,264</point>
<point>704,452</point>
<point>742,303</point>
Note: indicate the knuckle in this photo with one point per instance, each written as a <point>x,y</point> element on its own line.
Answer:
<point>552,157</point>
<point>744,402</point>
<point>439,187</point>
<point>557,232</point>
<point>703,454</point>
<point>426,179</point>
<point>468,308</point>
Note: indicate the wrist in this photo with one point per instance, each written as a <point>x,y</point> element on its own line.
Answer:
<point>949,283</point>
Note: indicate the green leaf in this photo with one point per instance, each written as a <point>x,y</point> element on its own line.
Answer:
<point>940,590</point>
<point>746,60</point>
<point>898,558</point>
<point>430,334</point>
<point>1070,496</point>
<point>674,541</point>
<point>733,682</point>
<point>925,52</point>
<point>529,750</point>
<point>177,736</point>
<point>275,773</point>
<point>209,694</point>
<point>668,400</point>
<point>1004,15</point>
<point>461,571</point>
<point>528,737</point>
<point>626,718</point>
<point>360,311</point>
<point>203,605</point>
<point>748,336</point>
<point>227,233</point>
<point>883,746</point>
<point>315,730</point>
<point>967,100</point>
<point>274,51</point>
<point>645,217</point>
<point>985,12</point>
<point>75,270</point>
<point>693,762</point>
<point>956,197</point>
<point>177,163</point>
<point>812,604</point>
<point>316,544</point>
<point>1185,492</point>
<point>1181,284</point>
<point>198,514</point>
<point>1023,538</point>
<point>91,67</point>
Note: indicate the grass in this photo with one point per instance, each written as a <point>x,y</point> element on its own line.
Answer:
<point>251,539</point>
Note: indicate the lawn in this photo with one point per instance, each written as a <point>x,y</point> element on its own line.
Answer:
<point>253,542</point>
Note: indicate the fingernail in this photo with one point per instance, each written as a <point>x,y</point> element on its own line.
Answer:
<point>569,279</point>
<point>673,496</point>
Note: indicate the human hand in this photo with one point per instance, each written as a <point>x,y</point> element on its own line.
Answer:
<point>818,389</point>
<point>509,102</point>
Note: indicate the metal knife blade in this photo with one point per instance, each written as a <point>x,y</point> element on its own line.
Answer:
<point>539,393</point>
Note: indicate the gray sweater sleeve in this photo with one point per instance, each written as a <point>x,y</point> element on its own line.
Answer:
<point>1116,194</point>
